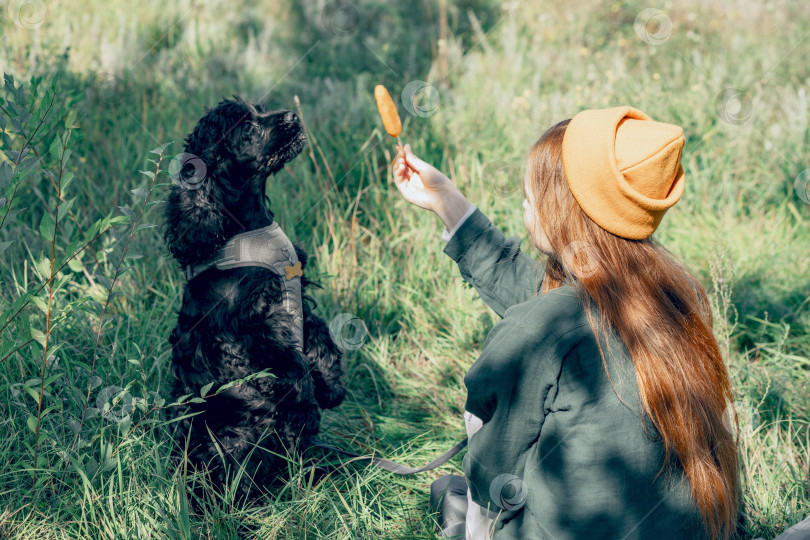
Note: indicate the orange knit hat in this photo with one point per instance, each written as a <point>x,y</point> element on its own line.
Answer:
<point>623,168</point>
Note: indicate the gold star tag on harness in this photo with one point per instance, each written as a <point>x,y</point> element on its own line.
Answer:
<point>293,271</point>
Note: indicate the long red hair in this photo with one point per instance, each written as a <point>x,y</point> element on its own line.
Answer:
<point>663,316</point>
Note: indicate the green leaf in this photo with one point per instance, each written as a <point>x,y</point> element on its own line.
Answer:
<point>117,220</point>
<point>204,390</point>
<point>40,303</point>
<point>92,231</point>
<point>150,204</point>
<point>16,124</point>
<point>140,192</point>
<point>50,380</point>
<point>49,409</point>
<point>43,266</point>
<point>150,174</point>
<point>6,174</point>
<point>31,392</point>
<point>68,229</point>
<point>38,336</point>
<point>71,248</point>
<point>158,400</point>
<point>67,178</point>
<point>11,214</point>
<point>47,227</point>
<point>180,400</point>
<point>134,361</point>
<point>228,385</point>
<point>92,307</point>
<point>124,424</point>
<point>143,226</point>
<point>75,265</point>
<point>185,521</point>
<point>127,211</point>
<point>54,349</point>
<point>56,149</point>
<point>103,280</point>
<point>61,282</point>
<point>32,423</point>
<point>118,235</point>
<point>65,207</point>
<point>4,245</point>
<point>27,322</point>
<point>196,400</point>
<point>159,150</point>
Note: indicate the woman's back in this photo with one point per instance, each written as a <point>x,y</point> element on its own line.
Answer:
<point>559,455</point>
<point>586,468</point>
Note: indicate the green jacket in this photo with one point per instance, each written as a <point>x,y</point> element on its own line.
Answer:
<point>559,456</point>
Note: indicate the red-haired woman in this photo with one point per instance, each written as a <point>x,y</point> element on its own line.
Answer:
<point>573,436</point>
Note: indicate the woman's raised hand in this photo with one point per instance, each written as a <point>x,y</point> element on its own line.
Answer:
<point>420,183</point>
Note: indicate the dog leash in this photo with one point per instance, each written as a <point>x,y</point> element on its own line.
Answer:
<point>394,467</point>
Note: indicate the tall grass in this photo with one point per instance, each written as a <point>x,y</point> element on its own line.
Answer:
<point>501,74</point>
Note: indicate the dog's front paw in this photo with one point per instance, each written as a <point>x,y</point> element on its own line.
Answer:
<point>325,359</point>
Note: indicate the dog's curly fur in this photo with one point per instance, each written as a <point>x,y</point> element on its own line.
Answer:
<point>232,322</point>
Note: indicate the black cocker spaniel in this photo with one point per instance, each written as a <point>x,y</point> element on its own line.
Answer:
<point>233,321</point>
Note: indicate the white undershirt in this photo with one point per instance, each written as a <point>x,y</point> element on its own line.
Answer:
<point>478,525</point>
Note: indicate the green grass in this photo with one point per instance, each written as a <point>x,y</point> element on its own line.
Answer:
<point>140,75</point>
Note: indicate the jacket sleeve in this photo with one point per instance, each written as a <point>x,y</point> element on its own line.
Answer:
<point>502,274</point>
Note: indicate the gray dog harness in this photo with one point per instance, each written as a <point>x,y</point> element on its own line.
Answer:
<point>269,248</point>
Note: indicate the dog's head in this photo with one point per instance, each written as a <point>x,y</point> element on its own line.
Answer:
<point>243,141</point>
<point>220,179</point>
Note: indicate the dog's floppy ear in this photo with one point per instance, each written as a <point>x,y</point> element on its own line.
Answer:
<point>194,227</point>
<point>206,133</point>
<point>213,133</point>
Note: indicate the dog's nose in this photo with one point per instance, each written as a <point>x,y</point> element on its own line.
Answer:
<point>290,117</point>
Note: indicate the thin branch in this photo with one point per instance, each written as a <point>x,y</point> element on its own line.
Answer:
<point>50,301</point>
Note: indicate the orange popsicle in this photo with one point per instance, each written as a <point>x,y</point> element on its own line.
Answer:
<point>388,111</point>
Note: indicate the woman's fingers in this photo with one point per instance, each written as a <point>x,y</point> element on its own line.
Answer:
<point>401,170</point>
